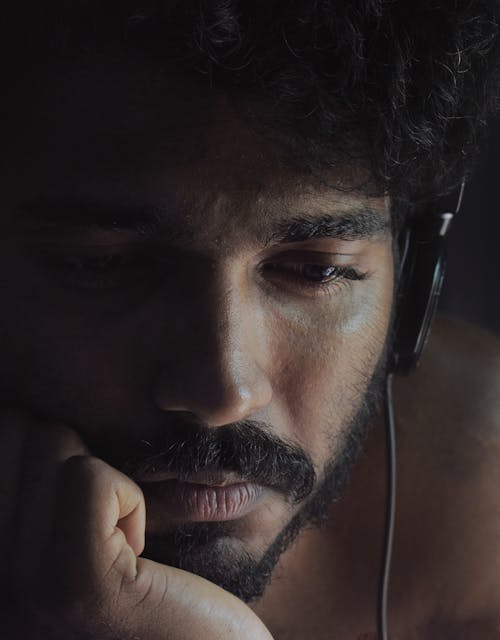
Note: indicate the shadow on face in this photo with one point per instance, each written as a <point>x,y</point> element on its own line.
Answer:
<point>164,265</point>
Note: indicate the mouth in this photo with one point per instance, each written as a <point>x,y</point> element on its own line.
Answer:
<point>201,497</point>
<point>209,478</point>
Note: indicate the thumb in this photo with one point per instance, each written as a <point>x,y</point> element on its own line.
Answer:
<point>182,606</point>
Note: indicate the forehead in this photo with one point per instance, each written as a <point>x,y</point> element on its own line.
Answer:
<point>124,131</point>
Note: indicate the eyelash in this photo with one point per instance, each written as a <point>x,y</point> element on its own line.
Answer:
<point>78,267</point>
<point>342,276</point>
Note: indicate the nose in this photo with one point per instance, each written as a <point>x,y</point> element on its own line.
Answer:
<point>216,368</point>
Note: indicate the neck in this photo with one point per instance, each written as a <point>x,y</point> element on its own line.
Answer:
<point>328,579</point>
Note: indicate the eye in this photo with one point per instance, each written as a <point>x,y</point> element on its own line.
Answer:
<point>322,277</point>
<point>100,271</point>
<point>316,272</point>
<point>89,264</point>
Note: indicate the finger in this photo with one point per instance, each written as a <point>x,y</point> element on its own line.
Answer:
<point>46,446</point>
<point>100,537</point>
<point>101,527</point>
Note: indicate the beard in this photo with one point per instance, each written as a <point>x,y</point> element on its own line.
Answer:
<point>250,448</point>
<point>213,551</point>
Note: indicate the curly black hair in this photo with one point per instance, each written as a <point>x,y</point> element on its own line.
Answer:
<point>412,81</point>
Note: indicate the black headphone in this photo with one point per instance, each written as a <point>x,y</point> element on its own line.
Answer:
<point>421,274</point>
<point>422,268</point>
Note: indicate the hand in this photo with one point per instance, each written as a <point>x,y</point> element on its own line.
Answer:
<point>71,530</point>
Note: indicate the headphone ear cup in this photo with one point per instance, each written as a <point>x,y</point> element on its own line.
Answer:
<point>420,282</point>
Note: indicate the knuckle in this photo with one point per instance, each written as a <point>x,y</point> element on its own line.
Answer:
<point>64,436</point>
<point>93,473</point>
<point>82,470</point>
<point>123,565</point>
<point>84,464</point>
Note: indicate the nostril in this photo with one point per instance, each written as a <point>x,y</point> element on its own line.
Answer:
<point>213,399</point>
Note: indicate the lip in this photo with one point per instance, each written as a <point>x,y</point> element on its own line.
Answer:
<point>211,478</point>
<point>217,500</point>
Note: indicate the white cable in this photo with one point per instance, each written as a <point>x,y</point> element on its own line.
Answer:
<point>390,511</point>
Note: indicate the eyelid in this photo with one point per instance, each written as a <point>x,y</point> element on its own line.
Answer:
<point>330,246</point>
<point>309,257</point>
<point>283,280</point>
<point>162,255</point>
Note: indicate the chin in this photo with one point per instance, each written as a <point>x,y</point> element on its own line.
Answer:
<point>212,552</point>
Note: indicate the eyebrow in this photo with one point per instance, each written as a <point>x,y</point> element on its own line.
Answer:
<point>68,214</point>
<point>357,222</point>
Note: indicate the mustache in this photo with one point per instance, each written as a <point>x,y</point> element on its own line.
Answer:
<point>249,448</point>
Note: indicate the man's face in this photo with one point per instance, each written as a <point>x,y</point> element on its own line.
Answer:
<point>171,284</point>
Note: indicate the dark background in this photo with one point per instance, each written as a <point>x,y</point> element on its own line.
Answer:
<point>472,284</point>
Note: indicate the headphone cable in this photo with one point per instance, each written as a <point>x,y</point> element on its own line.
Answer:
<point>390,510</point>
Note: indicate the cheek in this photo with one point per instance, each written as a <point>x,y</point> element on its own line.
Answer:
<point>69,365</point>
<point>100,368</point>
<point>323,371</point>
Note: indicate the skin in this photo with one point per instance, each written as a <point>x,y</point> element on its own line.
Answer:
<point>444,576</point>
<point>221,343</point>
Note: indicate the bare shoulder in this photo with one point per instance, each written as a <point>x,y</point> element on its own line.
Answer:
<point>448,415</point>
<point>459,376</point>
<point>466,352</point>
<point>452,401</point>
<point>470,630</point>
